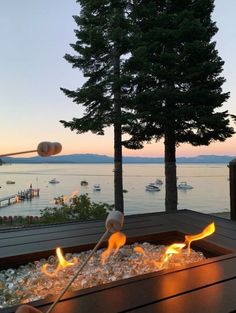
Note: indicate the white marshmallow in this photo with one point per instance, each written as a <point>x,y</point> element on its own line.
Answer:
<point>57,147</point>
<point>43,149</point>
<point>114,221</point>
<point>46,148</point>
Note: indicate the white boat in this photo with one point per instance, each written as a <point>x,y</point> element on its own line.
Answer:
<point>159,182</point>
<point>10,182</point>
<point>183,185</point>
<point>96,187</point>
<point>152,187</point>
<point>54,181</point>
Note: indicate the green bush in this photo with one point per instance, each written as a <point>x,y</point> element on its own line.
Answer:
<point>79,208</point>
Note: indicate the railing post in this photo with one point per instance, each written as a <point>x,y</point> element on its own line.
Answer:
<point>232,185</point>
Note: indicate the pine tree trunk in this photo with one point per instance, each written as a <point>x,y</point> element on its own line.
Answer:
<point>171,199</point>
<point>118,175</point>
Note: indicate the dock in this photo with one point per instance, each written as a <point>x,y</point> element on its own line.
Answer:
<point>7,200</point>
<point>20,196</point>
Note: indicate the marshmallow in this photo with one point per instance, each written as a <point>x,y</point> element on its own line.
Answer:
<point>57,147</point>
<point>46,148</point>
<point>114,221</point>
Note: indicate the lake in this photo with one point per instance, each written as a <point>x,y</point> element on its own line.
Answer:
<point>210,183</point>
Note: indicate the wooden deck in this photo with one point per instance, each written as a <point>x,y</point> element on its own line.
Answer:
<point>208,286</point>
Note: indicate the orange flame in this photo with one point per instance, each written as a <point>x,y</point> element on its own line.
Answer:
<point>207,231</point>
<point>62,261</point>
<point>115,242</point>
<point>175,248</point>
<point>139,250</point>
<point>62,264</point>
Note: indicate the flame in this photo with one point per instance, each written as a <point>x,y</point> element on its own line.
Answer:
<point>62,261</point>
<point>175,248</point>
<point>62,264</point>
<point>65,199</point>
<point>139,250</point>
<point>115,242</point>
<point>207,231</point>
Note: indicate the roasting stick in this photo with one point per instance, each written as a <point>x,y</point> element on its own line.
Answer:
<point>44,149</point>
<point>78,271</point>
<point>114,223</point>
<point>14,153</point>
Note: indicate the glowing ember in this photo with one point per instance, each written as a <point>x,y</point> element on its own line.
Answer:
<point>207,231</point>
<point>115,242</point>
<point>63,263</point>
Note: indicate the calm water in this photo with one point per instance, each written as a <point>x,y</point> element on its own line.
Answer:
<point>210,182</point>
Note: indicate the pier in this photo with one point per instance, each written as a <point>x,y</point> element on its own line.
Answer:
<point>27,194</point>
<point>7,200</point>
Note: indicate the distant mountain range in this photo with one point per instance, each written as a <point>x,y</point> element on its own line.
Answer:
<point>95,158</point>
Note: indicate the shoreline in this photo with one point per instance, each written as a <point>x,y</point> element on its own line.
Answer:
<point>225,215</point>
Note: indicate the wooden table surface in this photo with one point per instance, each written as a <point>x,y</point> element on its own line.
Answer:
<point>208,286</point>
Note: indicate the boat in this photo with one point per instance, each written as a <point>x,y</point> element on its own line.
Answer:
<point>152,187</point>
<point>159,182</point>
<point>183,185</point>
<point>10,182</point>
<point>84,183</point>
<point>54,181</point>
<point>96,187</point>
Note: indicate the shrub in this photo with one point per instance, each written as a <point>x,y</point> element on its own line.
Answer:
<point>79,208</point>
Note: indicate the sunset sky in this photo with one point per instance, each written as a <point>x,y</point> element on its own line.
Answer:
<point>35,35</point>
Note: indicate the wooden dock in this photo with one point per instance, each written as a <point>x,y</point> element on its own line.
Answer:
<point>7,200</point>
<point>27,194</point>
<point>206,286</point>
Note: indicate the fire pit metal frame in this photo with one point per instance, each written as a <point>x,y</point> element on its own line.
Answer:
<point>195,288</point>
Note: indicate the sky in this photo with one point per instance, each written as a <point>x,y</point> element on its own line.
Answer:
<point>34,37</point>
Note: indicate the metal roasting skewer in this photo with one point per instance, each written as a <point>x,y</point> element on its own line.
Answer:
<point>79,270</point>
<point>114,223</point>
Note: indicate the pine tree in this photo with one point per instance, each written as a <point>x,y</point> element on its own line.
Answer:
<point>101,52</point>
<point>176,72</point>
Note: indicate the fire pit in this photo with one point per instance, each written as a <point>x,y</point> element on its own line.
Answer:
<point>117,273</point>
<point>42,278</point>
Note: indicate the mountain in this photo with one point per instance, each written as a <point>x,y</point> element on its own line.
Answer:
<point>95,158</point>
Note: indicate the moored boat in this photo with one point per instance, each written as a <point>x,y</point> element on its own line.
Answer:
<point>10,182</point>
<point>84,183</point>
<point>96,187</point>
<point>152,187</point>
<point>54,181</point>
<point>183,185</point>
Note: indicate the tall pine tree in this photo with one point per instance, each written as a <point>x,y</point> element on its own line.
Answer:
<point>177,82</point>
<point>101,52</point>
